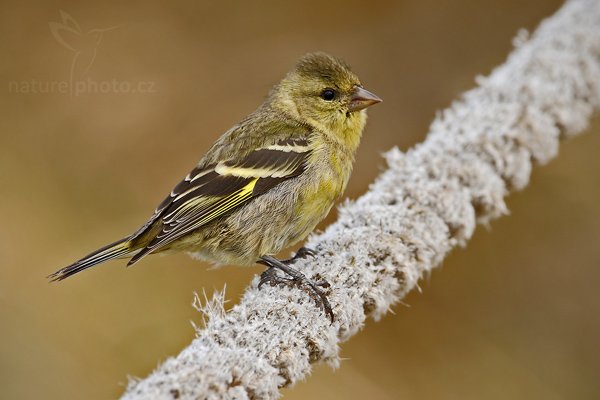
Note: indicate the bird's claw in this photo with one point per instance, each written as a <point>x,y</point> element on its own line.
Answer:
<point>302,253</point>
<point>270,276</point>
<point>321,282</point>
<point>319,297</point>
<point>313,288</point>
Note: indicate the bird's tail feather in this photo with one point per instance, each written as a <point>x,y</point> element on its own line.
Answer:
<point>117,249</point>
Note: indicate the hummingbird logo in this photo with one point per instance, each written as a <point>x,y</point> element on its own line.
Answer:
<point>84,45</point>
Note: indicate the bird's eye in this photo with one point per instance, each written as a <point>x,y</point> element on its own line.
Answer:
<point>328,94</point>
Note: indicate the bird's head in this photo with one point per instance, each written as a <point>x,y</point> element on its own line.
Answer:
<point>323,91</point>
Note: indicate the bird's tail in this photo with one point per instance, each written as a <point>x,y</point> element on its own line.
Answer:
<point>117,249</point>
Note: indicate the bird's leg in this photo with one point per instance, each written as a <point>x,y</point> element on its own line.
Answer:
<point>302,252</point>
<point>270,274</point>
<point>296,278</point>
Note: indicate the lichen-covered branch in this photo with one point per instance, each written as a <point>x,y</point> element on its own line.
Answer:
<point>427,202</point>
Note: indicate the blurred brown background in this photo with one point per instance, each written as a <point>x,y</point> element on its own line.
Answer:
<point>514,315</point>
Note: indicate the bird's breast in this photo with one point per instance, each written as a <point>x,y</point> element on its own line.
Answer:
<point>327,180</point>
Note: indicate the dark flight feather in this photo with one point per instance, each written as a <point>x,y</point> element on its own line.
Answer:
<point>207,194</point>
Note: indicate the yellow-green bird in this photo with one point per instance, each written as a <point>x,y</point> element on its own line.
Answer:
<point>266,183</point>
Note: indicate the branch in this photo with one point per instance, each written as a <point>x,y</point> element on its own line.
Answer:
<point>426,203</point>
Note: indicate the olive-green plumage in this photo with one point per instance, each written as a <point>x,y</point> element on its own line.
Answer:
<point>266,182</point>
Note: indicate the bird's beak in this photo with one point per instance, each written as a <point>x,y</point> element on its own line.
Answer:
<point>362,98</point>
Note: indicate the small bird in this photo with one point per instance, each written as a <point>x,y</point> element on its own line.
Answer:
<point>266,182</point>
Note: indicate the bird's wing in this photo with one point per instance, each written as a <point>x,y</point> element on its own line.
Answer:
<point>210,192</point>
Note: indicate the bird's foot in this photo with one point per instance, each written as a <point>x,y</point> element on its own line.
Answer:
<point>271,277</point>
<point>297,279</point>
<point>302,253</point>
